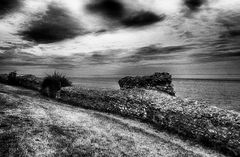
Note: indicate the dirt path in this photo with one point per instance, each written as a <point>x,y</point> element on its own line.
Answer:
<point>31,125</point>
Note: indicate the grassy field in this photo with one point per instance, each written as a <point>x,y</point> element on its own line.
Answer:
<point>32,125</point>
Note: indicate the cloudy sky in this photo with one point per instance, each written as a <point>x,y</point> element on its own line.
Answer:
<point>188,38</point>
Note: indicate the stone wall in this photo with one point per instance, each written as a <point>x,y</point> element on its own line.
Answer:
<point>208,125</point>
<point>126,103</point>
<point>4,78</point>
<point>27,81</point>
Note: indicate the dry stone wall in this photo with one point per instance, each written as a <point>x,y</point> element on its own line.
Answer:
<point>27,81</point>
<point>4,78</point>
<point>209,125</point>
<point>125,103</point>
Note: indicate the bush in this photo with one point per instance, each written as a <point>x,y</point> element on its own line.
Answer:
<point>53,83</point>
<point>12,78</point>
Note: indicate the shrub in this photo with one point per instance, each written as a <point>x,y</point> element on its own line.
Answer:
<point>53,83</point>
<point>12,78</point>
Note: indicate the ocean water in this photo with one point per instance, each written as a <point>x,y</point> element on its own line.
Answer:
<point>220,93</point>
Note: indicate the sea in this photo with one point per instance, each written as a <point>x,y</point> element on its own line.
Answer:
<point>221,93</point>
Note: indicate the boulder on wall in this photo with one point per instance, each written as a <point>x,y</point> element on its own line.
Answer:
<point>158,81</point>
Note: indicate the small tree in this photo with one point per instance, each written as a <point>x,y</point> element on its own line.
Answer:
<point>53,83</point>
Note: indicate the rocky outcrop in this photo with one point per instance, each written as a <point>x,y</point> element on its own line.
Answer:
<point>158,81</point>
<point>208,125</point>
<point>27,81</point>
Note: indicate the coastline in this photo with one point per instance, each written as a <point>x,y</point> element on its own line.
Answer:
<point>174,78</point>
<point>223,94</point>
<point>210,126</point>
<point>33,125</point>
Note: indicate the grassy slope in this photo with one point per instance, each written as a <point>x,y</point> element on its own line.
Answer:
<point>31,125</point>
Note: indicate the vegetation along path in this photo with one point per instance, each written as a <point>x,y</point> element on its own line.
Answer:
<point>32,125</point>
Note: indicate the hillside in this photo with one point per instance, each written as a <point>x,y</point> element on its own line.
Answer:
<point>31,125</point>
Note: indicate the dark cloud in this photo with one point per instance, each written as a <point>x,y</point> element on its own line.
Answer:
<point>56,25</point>
<point>109,8</point>
<point>222,49</point>
<point>231,22</point>
<point>148,53</point>
<point>142,18</point>
<point>13,54</point>
<point>11,46</point>
<point>103,57</point>
<point>7,6</point>
<point>216,57</point>
<point>135,58</point>
<point>234,33</point>
<point>194,5</point>
<point>154,52</point>
<point>225,48</point>
<point>13,58</point>
<point>126,16</point>
<point>225,44</point>
<point>99,59</point>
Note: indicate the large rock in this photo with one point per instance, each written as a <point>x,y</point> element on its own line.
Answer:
<point>158,81</point>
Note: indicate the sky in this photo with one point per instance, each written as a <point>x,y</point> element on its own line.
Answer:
<point>108,38</point>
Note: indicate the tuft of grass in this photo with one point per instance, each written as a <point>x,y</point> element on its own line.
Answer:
<point>53,83</point>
